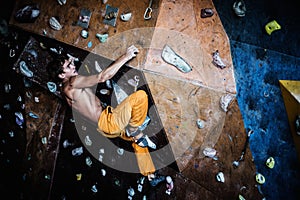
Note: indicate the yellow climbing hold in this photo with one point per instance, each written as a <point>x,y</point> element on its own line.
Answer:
<point>272,26</point>
<point>270,162</point>
<point>78,177</point>
<point>260,178</point>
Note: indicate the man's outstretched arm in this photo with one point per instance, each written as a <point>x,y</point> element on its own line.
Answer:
<point>108,73</point>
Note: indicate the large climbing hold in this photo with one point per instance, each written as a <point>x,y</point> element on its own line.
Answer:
<point>169,56</point>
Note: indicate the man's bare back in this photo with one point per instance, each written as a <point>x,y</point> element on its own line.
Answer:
<point>83,100</point>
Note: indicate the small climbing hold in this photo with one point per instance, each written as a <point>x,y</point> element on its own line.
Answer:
<point>94,189</point>
<point>78,177</point>
<point>272,26</point>
<point>200,123</point>
<point>239,8</point>
<point>102,37</point>
<point>54,24</point>
<point>90,44</point>
<point>88,141</point>
<point>297,124</point>
<point>209,152</point>
<point>225,101</point>
<point>19,118</point>
<point>88,161</point>
<point>62,2</point>
<point>77,151</point>
<point>66,144</point>
<point>108,84</point>
<point>169,185</point>
<point>7,87</point>
<point>84,33</point>
<point>220,177</point>
<point>33,115</point>
<point>44,140</point>
<point>125,16</point>
<point>131,192</point>
<point>120,151</point>
<point>51,86</point>
<point>260,178</point>
<point>217,60</point>
<point>270,162</point>
<point>28,13</point>
<point>24,69</point>
<point>103,172</point>
<point>97,67</point>
<point>104,91</point>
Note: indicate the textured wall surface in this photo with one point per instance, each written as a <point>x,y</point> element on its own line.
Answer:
<point>260,61</point>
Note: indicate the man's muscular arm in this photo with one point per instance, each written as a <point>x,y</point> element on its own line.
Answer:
<point>108,73</point>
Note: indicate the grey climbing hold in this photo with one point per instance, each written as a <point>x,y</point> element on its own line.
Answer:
<point>217,60</point>
<point>24,69</point>
<point>220,177</point>
<point>54,24</point>
<point>239,8</point>
<point>169,56</point>
<point>200,123</point>
<point>77,151</point>
<point>32,115</point>
<point>51,86</point>
<point>84,33</point>
<point>102,37</point>
<point>62,2</point>
<point>28,13</point>
<point>19,118</point>
<point>88,141</point>
<point>209,152</point>
<point>297,123</point>
<point>225,101</point>
<point>94,189</point>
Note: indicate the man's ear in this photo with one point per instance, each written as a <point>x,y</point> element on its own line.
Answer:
<point>62,75</point>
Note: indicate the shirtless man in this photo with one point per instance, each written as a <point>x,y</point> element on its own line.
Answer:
<point>122,121</point>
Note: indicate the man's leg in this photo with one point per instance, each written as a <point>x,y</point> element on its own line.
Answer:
<point>133,110</point>
<point>144,160</point>
<point>139,105</point>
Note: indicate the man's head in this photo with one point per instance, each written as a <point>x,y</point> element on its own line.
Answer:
<point>62,68</point>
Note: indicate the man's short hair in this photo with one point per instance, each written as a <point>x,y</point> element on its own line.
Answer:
<point>55,67</point>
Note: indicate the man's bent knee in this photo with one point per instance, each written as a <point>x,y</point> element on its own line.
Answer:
<point>141,93</point>
<point>140,96</point>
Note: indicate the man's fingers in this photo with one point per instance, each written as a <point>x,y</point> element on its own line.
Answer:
<point>133,48</point>
<point>132,51</point>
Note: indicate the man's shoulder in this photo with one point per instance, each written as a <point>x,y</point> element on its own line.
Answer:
<point>72,79</point>
<point>70,82</point>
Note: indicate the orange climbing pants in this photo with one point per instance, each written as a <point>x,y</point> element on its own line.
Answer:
<point>133,111</point>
